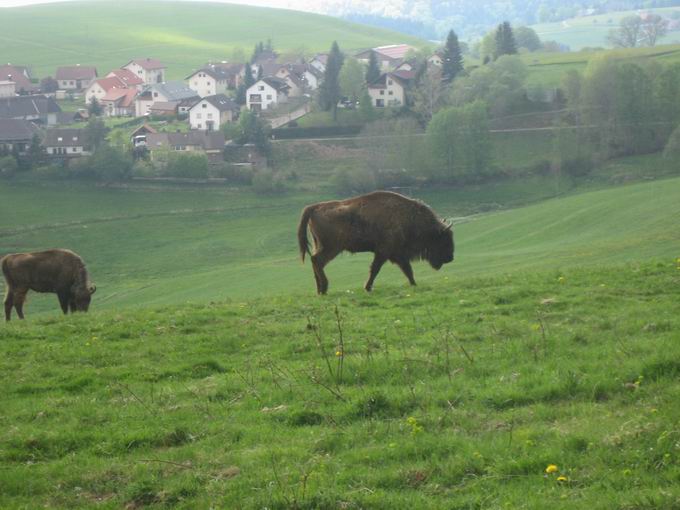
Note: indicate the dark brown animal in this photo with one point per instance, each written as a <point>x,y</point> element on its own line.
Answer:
<point>59,271</point>
<point>392,226</point>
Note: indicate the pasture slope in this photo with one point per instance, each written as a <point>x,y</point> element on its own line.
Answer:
<point>551,340</point>
<point>182,35</point>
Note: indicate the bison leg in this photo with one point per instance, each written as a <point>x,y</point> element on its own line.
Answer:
<point>72,303</point>
<point>9,303</point>
<point>319,261</point>
<point>378,261</point>
<point>19,298</point>
<point>63,301</point>
<point>406,268</point>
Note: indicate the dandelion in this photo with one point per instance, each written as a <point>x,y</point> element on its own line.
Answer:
<point>561,279</point>
<point>562,478</point>
<point>338,353</point>
<point>552,468</point>
<point>535,327</point>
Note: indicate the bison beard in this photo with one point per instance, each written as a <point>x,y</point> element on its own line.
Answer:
<point>393,227</point>
<point>59,271</point>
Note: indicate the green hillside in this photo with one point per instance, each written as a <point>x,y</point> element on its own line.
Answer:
<point>183,35</point>
<point>147,247</point>
<point>592,31</point>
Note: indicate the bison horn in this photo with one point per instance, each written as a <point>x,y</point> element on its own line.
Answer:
<point>447,225</point>
<point>92,288</point>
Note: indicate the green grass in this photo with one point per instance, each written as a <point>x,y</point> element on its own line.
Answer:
<point>592,31</point>
<point>183,35</point>
<point>455,394</point>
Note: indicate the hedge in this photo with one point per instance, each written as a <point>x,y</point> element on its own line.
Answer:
<point>314,132</point>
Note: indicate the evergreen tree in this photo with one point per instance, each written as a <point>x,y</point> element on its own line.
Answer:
<point>329,91</point>
<point>505,41</point>
<point>452,61</point>
<point>35,153</point>
<point>248,82</point>
<point>260,73</point>
<point>94,108</point>
<point>373,71</point>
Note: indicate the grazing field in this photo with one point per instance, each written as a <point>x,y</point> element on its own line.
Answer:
<point>592,31</point>
<point>183,35</point>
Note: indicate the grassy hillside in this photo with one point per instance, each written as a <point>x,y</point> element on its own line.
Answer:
<point>592,31</point>
<point>159,246</point>
<point>456,394</point>
<point>184,36</point>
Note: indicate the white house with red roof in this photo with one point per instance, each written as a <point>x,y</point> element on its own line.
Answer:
<point>75,77</point>
<point>150,70</point>
<point>119,102</point>
<point>101,87</point>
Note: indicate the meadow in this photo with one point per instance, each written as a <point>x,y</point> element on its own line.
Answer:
<point>184,36</point>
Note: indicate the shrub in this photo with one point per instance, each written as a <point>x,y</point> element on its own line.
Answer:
<point>192,166</point>
<point>237,174</point>
<point>266,182</point>
<point>8,167</point>
<point>349,179</point>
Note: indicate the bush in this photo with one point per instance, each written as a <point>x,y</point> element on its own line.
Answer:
<point>143,168</point>
<point>349,179</point>
<point>266,182</point>
<point>237,174</point>
<point>191,166</point>
<point>8,167</point>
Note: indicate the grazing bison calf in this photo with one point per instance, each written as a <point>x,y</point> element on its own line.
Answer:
<point>59,271</point>
<point>393,227</point>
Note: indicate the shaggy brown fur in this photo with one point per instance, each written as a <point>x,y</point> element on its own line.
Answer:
<point>392,226</point>
<point>59,271</point>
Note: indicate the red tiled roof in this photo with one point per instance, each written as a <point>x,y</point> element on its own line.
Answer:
<point>126,76</point>
<point>124,97</point>
<point>110,83</point>
<point>147,63</point>
<point>76,73</point>
<point>394,51</point>
<point>16,74</point>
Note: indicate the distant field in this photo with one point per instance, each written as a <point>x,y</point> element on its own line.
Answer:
<point>183,35</point>
<point>592,31</point>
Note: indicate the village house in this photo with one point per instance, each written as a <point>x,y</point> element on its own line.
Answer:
<point>75,78</point>
<point>127,77</point>
<point>119,102</point>
<point>437,58</point>
<point>148,69</point>
<point>209,81</point>
<point>169,92</point>
<point>235,73</point>
<point>389,57</point>
<point>38,108</point>
<point>8,88</point>
<point>66,143</point>
<point>212,112</point>
<point>16,135</point>
<point>312,77</point>
<point>21,76</point>
<point>99,88</point>
<point>266,93</point>
<point>209,142</point>
<point>389,90</point>
<point>319,61</point>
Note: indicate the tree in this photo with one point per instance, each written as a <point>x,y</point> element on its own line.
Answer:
<point>252,129</point>
<point>429,96</point>
<point>459,141</point>
<point>627,35</point>
<point>110,164</point>
<point>352,79</point>
<point>96,132</point>
<point>527,38</point>
<point>666,94</point>
<point>452,59</point>
<point>35,152</point>
<point>366,107</point>
<point>8,166</point>
<point>329,91</point>
<point>187,165</point>
<point>652,28</point>
<point>49,85</point>
<point>248,82</point>
<point>372,71</point>
<point>94,107</point>
<point>504,41</point>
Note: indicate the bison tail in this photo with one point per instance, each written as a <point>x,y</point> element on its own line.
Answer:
<point>302,231</point>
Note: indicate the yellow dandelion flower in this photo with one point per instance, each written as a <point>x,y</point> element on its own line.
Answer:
<point>338,353</point>
<point>562,478</point>
<point>561,279</point>
<point>552,468</point>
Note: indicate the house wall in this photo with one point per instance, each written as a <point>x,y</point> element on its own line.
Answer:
<point>66,151</point>
<point>391,95</point>
<point>206,85</point>
<point>202,114</point>
<point>7,89</point>
<point>262,96</point>
<point>311,79</point>
<point>149,76</point>
<point>94,90</point>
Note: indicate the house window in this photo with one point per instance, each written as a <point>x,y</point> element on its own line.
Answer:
<point>155,94</point>
<point>204,105</point>
<point>269,96</point>
<point>382,92</point>
<point>74,149</point>
<point>261,87</point>
<point>198,115</point>
<point>391,93</point>
<point>75,138</point>
<point>389,82</point>
<point>210,115</point>
<point>380,103</point>
<point>59,139</point>
<point>255,98</point>
<point>198,125</point>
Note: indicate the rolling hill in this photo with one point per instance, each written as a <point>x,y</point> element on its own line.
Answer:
<point>183,35</point>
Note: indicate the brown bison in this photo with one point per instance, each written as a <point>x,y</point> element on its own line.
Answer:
<point>392,226</point>
<point>59,271</point>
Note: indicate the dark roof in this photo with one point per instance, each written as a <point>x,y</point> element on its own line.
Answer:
<point>221,102</point>
<point>76,73</point>
<point>230,70</point>
<point>277,83</point>
<point>27,106</point>
<point>172,90</point>
<point>216,72</point>
<point>16,130</point>
<point>212,140</point>
<point>381,82</point>
<point>65,137</point>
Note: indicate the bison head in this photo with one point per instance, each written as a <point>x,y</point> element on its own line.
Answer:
<point>82,295</point>
<point>440,249</point>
